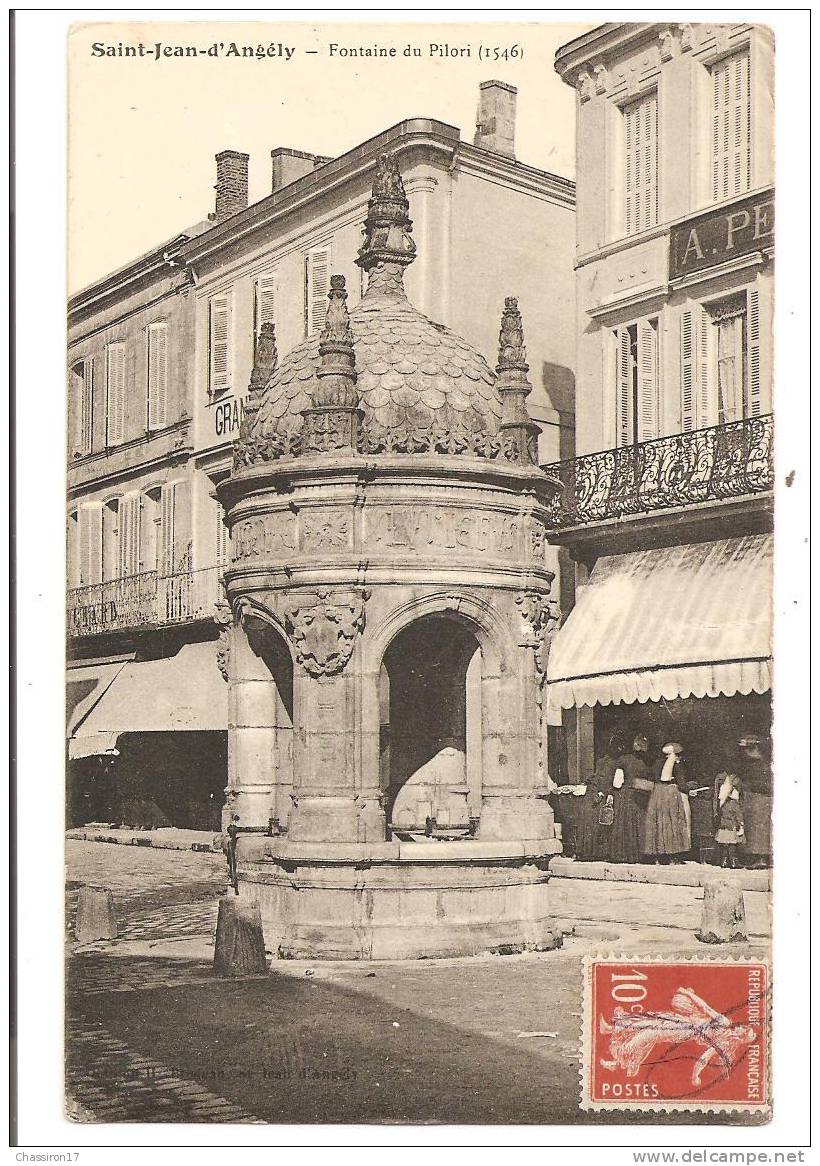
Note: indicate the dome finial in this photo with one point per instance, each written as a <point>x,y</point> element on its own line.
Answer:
<point>333,420</point>
<point>519,433</point>
<point>388,244</point>
<point>264,366</point>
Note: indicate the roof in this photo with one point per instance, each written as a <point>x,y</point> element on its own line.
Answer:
<point>413,377</point>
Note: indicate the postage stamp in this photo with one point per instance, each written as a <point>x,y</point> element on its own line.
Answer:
<point>673,1034</point>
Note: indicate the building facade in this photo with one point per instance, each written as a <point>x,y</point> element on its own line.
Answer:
<point>160,359</point>
<point>666,507</point>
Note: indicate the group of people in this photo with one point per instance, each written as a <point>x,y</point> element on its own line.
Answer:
<point>636,808</point>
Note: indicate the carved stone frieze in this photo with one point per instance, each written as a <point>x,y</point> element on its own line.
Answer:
<point>540,615</point>
<point>323,626</point>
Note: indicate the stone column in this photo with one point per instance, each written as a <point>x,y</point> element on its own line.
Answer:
<point>332,797</point>
<point>514,803</point>
<point>252,734</point>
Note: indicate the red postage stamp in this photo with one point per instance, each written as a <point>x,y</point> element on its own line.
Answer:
<point>675,1034</point>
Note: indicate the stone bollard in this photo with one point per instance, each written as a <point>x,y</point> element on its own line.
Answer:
<point>95,915</point>
<point>240,946</point>
<point>724,914</point>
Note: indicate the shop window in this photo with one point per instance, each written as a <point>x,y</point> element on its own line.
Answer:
<point>82,397</point>
<point>720,362</point>
<point>641,164</point>
<point>115,393</point>
<point>636,417</point>
<point>220,345</point>
<point>317,286</point>
<point>731,126</point>
<point>157,376</point>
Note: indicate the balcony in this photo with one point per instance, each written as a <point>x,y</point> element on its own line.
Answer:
<point>684,469</point>
<point>143,601</point>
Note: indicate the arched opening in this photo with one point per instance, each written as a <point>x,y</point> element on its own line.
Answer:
<point>431,731</point>
<point>150,520</point>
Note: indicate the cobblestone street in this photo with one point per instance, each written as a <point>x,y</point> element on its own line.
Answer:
<point>152,1035</point>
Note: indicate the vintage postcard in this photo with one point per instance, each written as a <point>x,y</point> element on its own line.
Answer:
<point>419,575</point>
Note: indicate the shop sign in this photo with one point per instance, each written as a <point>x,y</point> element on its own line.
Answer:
<point>717,236</point>
<point>227,418</point>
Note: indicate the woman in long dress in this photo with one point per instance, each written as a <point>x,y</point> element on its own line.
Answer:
<point>756,801</point>
<point>629,796</point>
<point>667,829</point>
<point>592,838</point>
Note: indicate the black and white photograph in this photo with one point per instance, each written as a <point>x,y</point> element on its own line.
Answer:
<point>420,766</point>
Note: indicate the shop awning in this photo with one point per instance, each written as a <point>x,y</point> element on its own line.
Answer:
<point>85,685</point>
<point>183,693</point>
<point>672,622</point>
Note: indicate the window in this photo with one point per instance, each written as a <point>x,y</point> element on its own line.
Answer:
<point>111,541</point>
<point>115,393</point>
<point>220,345</point>
<point>73,572</point>
<point>91,528</point>
<point>150,529</point>
<point>129,535</point>
<point>82,396</point>
<point>641,161</point>
<point>317,286</point>
<point>223,539</point>
<point>637,382</point>
<point>264,304</point>
<point>730,126</point>
<point>157,376</point>
<point>720,362</point>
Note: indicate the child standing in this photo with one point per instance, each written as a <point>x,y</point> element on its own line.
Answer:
<point>730,830</point>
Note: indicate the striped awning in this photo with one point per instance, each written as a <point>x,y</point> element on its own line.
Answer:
<point>681,621</point>
<point>182,693</point>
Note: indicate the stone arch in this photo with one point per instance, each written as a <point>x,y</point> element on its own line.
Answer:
<point>489,675</point>
<point>489,627</point>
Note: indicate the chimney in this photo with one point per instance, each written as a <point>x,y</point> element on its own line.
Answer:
<point>287,165</point>
<point>495,120</point>
<point>231,184</point>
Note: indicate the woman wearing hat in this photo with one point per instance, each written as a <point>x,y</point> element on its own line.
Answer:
<point>667,828</point>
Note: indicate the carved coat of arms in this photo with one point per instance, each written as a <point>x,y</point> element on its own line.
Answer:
<point>323,627</point>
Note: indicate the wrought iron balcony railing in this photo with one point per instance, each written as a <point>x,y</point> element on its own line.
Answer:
<point>706,465</point>
<point>142,601</point>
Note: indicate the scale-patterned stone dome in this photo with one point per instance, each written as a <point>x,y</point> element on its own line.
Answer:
<point>413,377</point>
<point>385,378</point>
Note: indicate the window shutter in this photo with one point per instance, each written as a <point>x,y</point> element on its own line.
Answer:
<point>264,311</point>
<point>755,403</point>
<point>223,541</point>
<point>157,376</point>
<point>731,155</point>
<point>167,529</point>
<point>317,286</point>
<point>129,538</point>
<point>647,380</point>
<point>90,519</point>
<point>641,179</point>
<point>706,370</point>
<point>220,344</point>
<point>87,408</point>
<point>623,378</point>
<point>688,372</point>
<point>115,393</point>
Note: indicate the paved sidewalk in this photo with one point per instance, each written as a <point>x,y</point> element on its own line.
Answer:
<point>154,1035</point>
